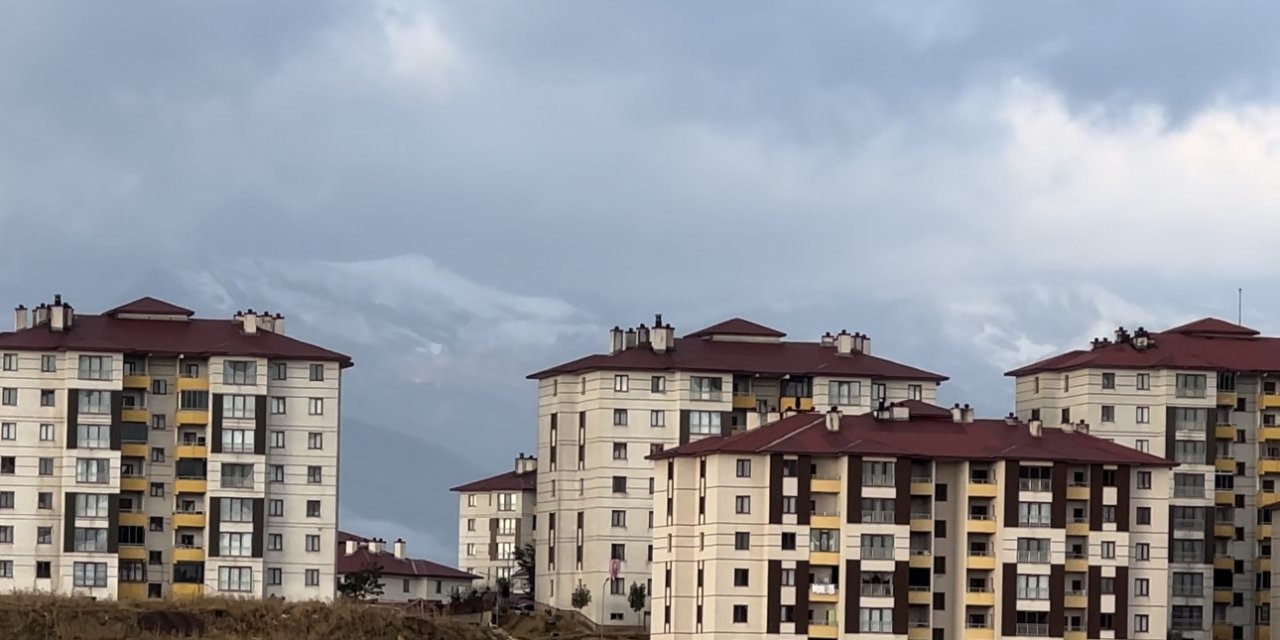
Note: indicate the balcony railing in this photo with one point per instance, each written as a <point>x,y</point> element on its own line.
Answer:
<point>1188,524</point>
<point>921,515</point>
<point>1033,523</point>
<point>985,624</point>
<point>824,589</point>
<point>824,546</point>
<point>877,590</point>
<point>877,480</point>
<point>1188,492</point>
<point>1077,555</point>
<point>877,516</point>
<point>1187,624</point>
<point>980,553</point>
<point>980,516</point>
<point>982,588</point>
<point>1035,484</point>
<point>1188,591</point>
<point>1038,557</point>
<point>1076,592</point>
<point>921,479</point>
<point>921,552</point>
<point>877,553</point>
<point>1025,629</point>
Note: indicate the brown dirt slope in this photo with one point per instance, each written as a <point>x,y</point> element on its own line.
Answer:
<point>30,617</point>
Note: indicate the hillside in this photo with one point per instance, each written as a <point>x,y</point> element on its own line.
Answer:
<point>54,618</point>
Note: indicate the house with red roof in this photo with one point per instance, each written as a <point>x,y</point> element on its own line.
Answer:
<point>404,579</point>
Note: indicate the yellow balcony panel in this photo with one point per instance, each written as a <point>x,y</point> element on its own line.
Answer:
<point>1264,531</point>
<point>137,382</point>
<point>1076,601</point>
<point>188,554</point>
<point>1225,432</point>
<point>133,483</point>
<point>1227,530</point>
<point>1075,635</point>
<point>131,591</point>
<point>193,416</point>
<point>921,596</point>
<point>135,450</point>
<point>921,524</point>
<point>132,552</point>
<point>824,485</point>
<point>980,598</point>
<point>135,415</point>
<point>984,633</point>
<point>799,404</point>
<point>921,488</point>
<point>1270,400</point>
<point>830,595</point>
<point>1263,632</point>
<point>824,558</point>
<point>1224,562</point>
<point>190,485</point>
<point>981,526</point>
<point>824,522</point>
<point>1077,528</point>
<point>1269,465</point>
<point>983,490</point>
<point>1225,465</point>
<point>1264,565</point>
<point>1224,498</point>
<point>830,631</point>
<point>1077,493</point>
<point>133,519</point>
<point>919,633</point>
<point>1226,399</point>
<point>191,451</point>
<point>1076,565</point>
<point>193,384</point>
<point>1222,632</point>
<point>194,519</point>
<point>920,561</point>
<point>1268,498</point>
<point>1222,596</point>
<point>987,563</point>
<point>1269,433</point>
<point>187,590</point>
<point>744,401</point>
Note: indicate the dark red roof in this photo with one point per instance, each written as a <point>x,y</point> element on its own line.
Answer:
<point>918,437</point>
<point>768,358</point>
<point>737,327</point>
<point>390,564</point>
<point>923,409</point>
<point>191,337</point>
<point>509,481</point>
<point>147,305</point>
<point>1206,344</point>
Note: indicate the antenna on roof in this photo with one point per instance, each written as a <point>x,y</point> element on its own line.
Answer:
<point>1240,306</point>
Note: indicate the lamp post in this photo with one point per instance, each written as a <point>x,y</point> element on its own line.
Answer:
<point>615,567</point>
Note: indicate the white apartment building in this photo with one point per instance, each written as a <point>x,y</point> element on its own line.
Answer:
<point>148,453</point>
<point>912,522</point>
<point>495,518</point>
<point>404,579</point>
<point>1204,395</point>
<point>601,416</point>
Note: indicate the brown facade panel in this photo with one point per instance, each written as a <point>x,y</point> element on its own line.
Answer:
<point>117,418</point>
<point>775,488</point>
<point>1124,480</point>
<point>1057,597</point>
<point>73,416</point>
<point>801,615</point>
<point>1058,509</point>
<point>902,486</point>
<point>1208,535</point>
<point>259,526</point>
<point>1170,434</point>
<point>684,426</point>
<point>1210,437</point>
<point>1093,592</point>
<point>773,598</point>
<point>69,523</point>
<point>215,423</point>
<point>113,522</point>
<point>260,425</point>
<point>1120,621</point>
<point>852,584</point>
<point>1009,600</point>
<point>1011,468</point>
<point>1095,497</point>
<point>215,524</point>
<point>901,572</point>
<point>493,538</point>
<point>853,492</point>
<point>804,477</point>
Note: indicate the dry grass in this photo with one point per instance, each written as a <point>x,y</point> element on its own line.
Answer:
<point>37,617</point>
<point>544,626</point>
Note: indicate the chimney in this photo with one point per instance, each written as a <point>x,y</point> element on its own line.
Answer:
<point>40,315</point>
<point>399,548</point>
<point>899,412</point>
<point>352,546</point>
<point>1082,427</point>
<point>278,327</point>
<point>376,545</point>
<point>844,343</point>
<point>58,314</point>
<point>1122,336</point>
<point>630,340</point>
<point>526,464</point>
<point>966,413</point>
<point>19,318</point>
<point>249,322</point>
<point>266,322</point>
<point>754,419</point>
<point>615,340</point>
<point>1036,427</point>
<point>1011,419</point>
<point>862,343</point>
<point>772,415</point>
<point>663,337</point>
<point>642,334</point>
<point>881,410</point>
<point>827,340</point>
<point>1141,339</point>
<point>957,414</point>
<point>833,419</point>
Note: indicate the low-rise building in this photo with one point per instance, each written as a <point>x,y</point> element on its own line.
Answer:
<point>404,579</point>
<point>912,521</point>
<point>495,518</point>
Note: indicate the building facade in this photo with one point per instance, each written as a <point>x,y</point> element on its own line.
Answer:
<point>495,518</point>
<point>910,522</point>
<point>148,453</point>
<point>1204,395</point>
<point>404,579</point>
<point>601,416</point>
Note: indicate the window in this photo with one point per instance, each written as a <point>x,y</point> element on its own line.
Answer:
<point>277,439</point>
<point>313,508</point>
<point>238,406</point>
<point>619,484</point>
<point>741,578</point>
<point>313,543</point>
<point>1144,480</point>
<point>278,405</point>
<point>1142,551</point>
<point>1142,415</point>
<point>1143,445</point>
<point>8,465</point>
<point>506,502</point>
<point>915,392</point>
<point>47,398</point>
<point>275,473</point>
<point>1033,587</point>
<point>1141,623</point>
<point>1144,516</point>
<point>93,436</point>
<point>879,391</point>
<point>44,535</point>
<point>159,387</point>
<point>658,384</point>
<point>237,441</point>
<point>705,388</point>
<point>92,470</point>
<point>313,577</point>
<point>788,504</point>
<point>742,504</point>
<point>1109,513</point>
<point>44,569</point>
<point>9,396</point>
<point>279,371</point>
<point>315,475</point>
<point>237,476</point>
<point>621,383</point>
<point>616,552</point>
<point>47,433</point>
<point>235,544</point>
<point>91,505</point>
<point>1066,382</point>
<point>157,489</point>
<point>739,614</point>
<point>742,541</point>
<point>48,364</point>
<point>743,468</point>
<point>704,422</point>
<point>191,400</point>
<point>44,500</point>
<point>875,620</point>
<point>844,393</point>
<point>618,518</point>
<point>46,466</point>
<point>657,418</point>
<point>619,451</point>
<point>788,540</point>
<point>92,540</point>
<point>1033,550</point>
<point>6,568</point>
<point>275,577</point>
<point>275,508</point>
<point>8,431</point>
<point>1189,385</point>
<point>317,373</point>
<point>1108,413</point>
<point>95,367</point>
<point>1033,514</point>
<point>619,417</point>
<point>236,510</point>
<point>1108,550</point>
<point>89,574</point>
<point>1108,381</point>
<point>1189,451</point>
<point>6,534</point>
<point>1144,382</point>
<point>235,579</point>
<point>239,372</point>
<point>315,441</point>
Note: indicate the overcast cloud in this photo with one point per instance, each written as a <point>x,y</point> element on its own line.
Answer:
<point>460,193</point>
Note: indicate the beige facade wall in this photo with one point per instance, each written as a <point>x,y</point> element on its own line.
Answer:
<point>491,526</point>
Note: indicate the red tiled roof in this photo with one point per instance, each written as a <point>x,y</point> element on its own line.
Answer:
<point>1208,343</point>
<point>390,564</point>
<point>768,358</point>
<point>147,305</point>
<point>509,481</point>
<point>923,409</point>
<point>192,338</point>
<point>344,536</point>
<point>918,437</point>
<point>737,327</point>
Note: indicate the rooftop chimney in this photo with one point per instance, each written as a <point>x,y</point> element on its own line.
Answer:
<point>1141,339</point>
<point>58,314</point>
<point>630,338</point>
<point>1036,427</point>
<point>642,334</point>
<point>278,327</point>
<point>772,415</point>
<point>526,464</point>
<point>376,545</point>
<point>957,415</point>
<point>1082,426</point>
<point>827,340</point>
<point>1011,419</point>
<point>833,419</point>
<point>20,318</point>
<point>40,315</point>
<point>399,548</point>
<point>1122,336</point>
<point>899,412</point>
<point>754,419</point>
<point>861,343</point>
<point>844,343</point>
<point>663,337</point>
<point>615,340</point>
<point>352,546</point>
<point>966,413</point>
<point>249,321</point>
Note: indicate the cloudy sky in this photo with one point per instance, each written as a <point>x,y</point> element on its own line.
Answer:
<point>460,193</point>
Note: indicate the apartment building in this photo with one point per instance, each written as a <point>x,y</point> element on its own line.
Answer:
<point>601,416</point>
<point>496,517</point>
<point>914,522</point>
<point>404,579</point>
<point>1205,395</point>
<point>148,453</point>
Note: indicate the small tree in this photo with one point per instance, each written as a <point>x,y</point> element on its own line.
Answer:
<point>636,598</point>
<point>581,597</point>
<point>363,584</point>
<point>524,557</point>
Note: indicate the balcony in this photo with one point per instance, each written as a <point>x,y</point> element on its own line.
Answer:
<point>1225,464</point>
<point>1222,631</point>
<point>1262,631</point>
<point>981,523</point>
<point>193,417</point>
<point>1224,530</point>
<point>1078,492</point>
<point>920,595</point>
<point>824,521</point>
<point>981,562</point>
<point>1034,557</point>
<point>1078,527</point>
<point>1189,491</point>
<point>983,489</point>
<point>1224,562</point>
<point>136,381</point>
<point>131,591</point>
<point>921,522</point>
<point>1224,432</point>
<point>191,451</point>
<point>799,404</point>
<point>135,415</point>
<point>193,384</point>
<point>1266,498</point>
<point>190,485</point>
<point>824,593</point>
<point>829,631</point>
<point>134,450</point>
<point>1264,531</point>
<point>919,631</point>
<point>875,553</point>
<point>1032,630</point>
<point>824,485</point>
<point>979,633</point>
<point>920,559</point>
<point>1225,498</point>
<point>1077,563</point>
<point>1188,591</point>
<point>1269,433</point>
<point>877,480</point>
<point>1039,485</point>
<point>1075,634</point>
<point>187,589</point>
<point>986,598</point>
<point>921,486</point>
<point>1222,595</point>
<point>133,518</point>
<point>133,483</point>
<point>824,558</point>
<point>874,517</point>
<point>132,552</point>
<point>1076,600</point>
<point>1268,465</point>
<point>1269,401</point>
<point>1263,565</point>
<point>192,519</point>
<point>1226,399</point>
<point>188,554</point>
